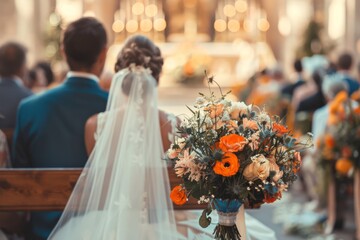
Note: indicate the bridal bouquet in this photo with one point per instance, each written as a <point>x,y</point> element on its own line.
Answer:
<point>341,144</point>
<point>230,153</point>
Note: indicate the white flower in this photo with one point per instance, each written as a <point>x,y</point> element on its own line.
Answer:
<point>263,117</point>
<point>238,108</point>
<point>200,101</point>
<point>225,117</point>
<point>186,165</point>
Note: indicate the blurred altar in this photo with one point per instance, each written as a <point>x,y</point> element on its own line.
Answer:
<point>231,39</point>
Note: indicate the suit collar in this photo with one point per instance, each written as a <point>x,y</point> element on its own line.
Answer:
<point>82,75</point>
<point>82,82</point>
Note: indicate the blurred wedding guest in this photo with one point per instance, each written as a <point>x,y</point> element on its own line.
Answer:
<point>12,89</point>
<point>310,65</point>
<point>344,65</point>
<point>317,99</point>
<point>40,77</point>
<point>289,89</point>
<point>50,126</point>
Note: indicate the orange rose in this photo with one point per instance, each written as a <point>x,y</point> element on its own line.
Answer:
<point>232,143</point>
<point>329,141</point>
<point>279,129</point>
<point>228,166</point>
<point>343,166</point>
<point>178,195</point>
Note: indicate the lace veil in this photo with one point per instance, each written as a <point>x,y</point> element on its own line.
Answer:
<point>123,191</point>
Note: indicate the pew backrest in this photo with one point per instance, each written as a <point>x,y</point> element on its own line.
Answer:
<point>50,189</point>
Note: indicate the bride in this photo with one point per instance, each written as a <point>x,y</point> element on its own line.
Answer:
<point>123,191</point>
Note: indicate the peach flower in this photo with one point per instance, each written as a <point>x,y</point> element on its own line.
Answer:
<point>215,110</point>
<point>250,124</point>
<point>258,169</point>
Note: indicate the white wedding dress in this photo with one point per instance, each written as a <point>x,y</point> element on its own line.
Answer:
<point>123,191</point>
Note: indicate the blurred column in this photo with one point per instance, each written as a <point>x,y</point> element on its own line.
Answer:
<point>273,36</point>
<point>8,21</point>
<point>352,32</point>
<point>103,10</point>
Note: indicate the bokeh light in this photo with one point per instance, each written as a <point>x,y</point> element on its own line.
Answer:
<point>229,10</point>
<point>241,6</point>
<point>220,25</point>
<point>118,26</point>
<point>151,10</point>
<point>138,8</point>
<point>263,24</point>
<point>132,26</point>
<point>146,25</point>
<point>159,24</point>
<point>233,25</point>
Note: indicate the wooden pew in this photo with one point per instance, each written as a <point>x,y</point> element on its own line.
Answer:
<point>49,189</point>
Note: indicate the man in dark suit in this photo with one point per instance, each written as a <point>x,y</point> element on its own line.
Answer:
<point>12,89</point>
<point>50,126</point>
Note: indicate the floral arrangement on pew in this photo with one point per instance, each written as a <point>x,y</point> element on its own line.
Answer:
<point>341,144</point>
<point>230,154</point>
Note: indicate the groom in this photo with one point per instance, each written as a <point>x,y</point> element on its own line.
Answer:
<point>50,127</point>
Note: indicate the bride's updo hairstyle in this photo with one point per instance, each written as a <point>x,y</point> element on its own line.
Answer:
<point>141,51</point>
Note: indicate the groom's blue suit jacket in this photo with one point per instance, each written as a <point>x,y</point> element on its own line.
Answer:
<point>50,133</point>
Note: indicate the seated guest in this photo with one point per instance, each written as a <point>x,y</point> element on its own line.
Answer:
<point>344,64</point>
<point>316,100</point>
<point>50,126</point>
<point>289,89</point>
<point>12,89</point>
<point>310,65</point>
<point>40,77</point>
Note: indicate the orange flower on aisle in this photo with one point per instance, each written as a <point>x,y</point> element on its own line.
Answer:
<point>228,166</point>
<point>178,195</point>
<point>329,141</point>
<point>339,147</point>
<point>343,166</point>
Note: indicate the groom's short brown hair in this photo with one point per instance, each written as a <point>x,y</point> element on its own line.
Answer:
<point>83,42</point>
